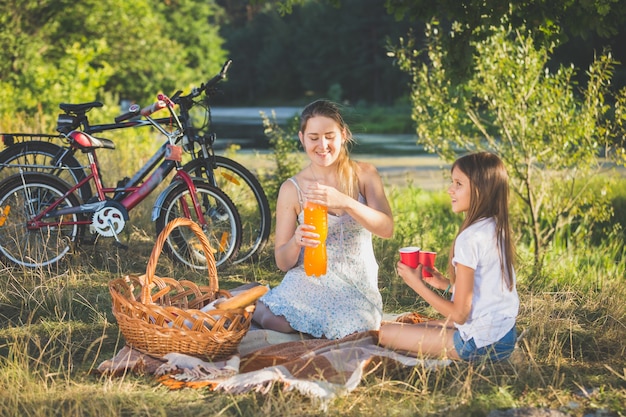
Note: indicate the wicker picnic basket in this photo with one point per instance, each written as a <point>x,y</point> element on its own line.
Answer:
<point>161,315</point>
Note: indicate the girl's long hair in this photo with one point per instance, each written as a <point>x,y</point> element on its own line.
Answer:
<point>489,188</point>
<point>346,167</point>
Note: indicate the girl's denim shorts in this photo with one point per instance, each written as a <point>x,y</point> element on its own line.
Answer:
<point>498,351</point>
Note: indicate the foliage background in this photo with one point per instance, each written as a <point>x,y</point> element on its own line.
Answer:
<point>57,327</point>
<point>57,50</point>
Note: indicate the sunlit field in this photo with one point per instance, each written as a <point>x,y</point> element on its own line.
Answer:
<point>57,327</point>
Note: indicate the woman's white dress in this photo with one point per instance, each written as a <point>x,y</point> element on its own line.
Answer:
<point>346,299</point>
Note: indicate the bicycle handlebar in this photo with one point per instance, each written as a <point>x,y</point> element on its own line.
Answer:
<point>134,110</point>
<point>164,101</point>
<point>204,87</point>
<point>216,79</point>
<point>154,107</point>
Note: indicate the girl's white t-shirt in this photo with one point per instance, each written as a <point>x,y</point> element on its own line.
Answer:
<point>494,307</point>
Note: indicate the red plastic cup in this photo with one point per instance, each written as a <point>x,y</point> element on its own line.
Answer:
<point>410,256</point>
<point>427,259</point>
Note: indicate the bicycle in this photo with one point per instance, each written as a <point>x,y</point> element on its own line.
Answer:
<point>38,152</point>
<point>42,217</point>
<point>234,179</point>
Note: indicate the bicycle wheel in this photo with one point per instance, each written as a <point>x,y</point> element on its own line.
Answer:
<point>23,196</point>
<point>223,225</point>
<point>243,188</point>
<point>39,156</point>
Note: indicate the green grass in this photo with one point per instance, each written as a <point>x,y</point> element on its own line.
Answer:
<point>57,328</point>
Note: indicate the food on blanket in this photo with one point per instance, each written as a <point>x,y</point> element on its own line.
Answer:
<point>242,299</point>
<point>173,384</point>
<point>411,318</point>
<point>191,368</point>
<point>315,258</point>
<point>128,359</point>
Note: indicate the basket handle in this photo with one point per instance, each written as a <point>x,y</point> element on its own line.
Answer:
<point>158,247</point>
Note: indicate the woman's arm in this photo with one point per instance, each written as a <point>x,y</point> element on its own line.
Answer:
<point>288,243</point>
<point>458,310</point>
<point>375,215</point>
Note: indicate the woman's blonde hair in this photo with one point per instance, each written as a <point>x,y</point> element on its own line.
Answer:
<point>489,197</point>
<point>346,167</point>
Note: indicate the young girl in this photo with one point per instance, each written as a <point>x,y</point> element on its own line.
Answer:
<point>480,317</point>
<point>346,299</point>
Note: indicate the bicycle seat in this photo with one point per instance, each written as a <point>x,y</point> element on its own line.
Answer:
<point>79,108</point>
<point>85,142</point>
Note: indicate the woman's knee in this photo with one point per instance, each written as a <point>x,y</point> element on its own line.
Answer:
<point>259,313</point>
<point>264,317</point>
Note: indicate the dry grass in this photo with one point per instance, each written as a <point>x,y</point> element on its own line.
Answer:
<point>58,327</point>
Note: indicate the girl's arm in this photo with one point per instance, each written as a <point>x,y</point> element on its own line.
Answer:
<point>375,216</point>
<point>458,310</point>
<point>437,280</point>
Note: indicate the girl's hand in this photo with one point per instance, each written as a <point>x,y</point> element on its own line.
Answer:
<point>438,280</point>
<point>411,276</point>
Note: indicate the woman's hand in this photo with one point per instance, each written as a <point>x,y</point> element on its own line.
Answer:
<point>305,236</point>
<point>325,195</point>
<point>374,213</point>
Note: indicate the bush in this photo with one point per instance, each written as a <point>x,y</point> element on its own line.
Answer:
<point>285,152</point>
<point>547,130</point>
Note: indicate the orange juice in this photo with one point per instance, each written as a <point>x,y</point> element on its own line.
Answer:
<point>315,258</point>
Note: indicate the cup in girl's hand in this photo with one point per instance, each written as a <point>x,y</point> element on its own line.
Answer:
<point>427,259</point>
<point>410,256</point>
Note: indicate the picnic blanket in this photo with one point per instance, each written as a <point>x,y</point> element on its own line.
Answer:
<point>321,369</point>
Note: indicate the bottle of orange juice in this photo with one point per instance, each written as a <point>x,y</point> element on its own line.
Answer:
<point>315,258</point>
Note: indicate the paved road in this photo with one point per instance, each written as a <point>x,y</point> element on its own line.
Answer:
<point>252,115</point>
<point>244,126</point>
<point>399,159</point>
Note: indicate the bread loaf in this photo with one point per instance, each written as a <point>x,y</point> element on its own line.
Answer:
<point>242,299</point>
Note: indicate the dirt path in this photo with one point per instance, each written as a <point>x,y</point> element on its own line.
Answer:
<point>426,172</point>
<point>423,171</point>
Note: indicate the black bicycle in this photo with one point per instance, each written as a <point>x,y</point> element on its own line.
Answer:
<point>42,153</point>
<point>42,217</point>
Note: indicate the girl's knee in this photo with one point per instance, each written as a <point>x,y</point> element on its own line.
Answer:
<point>387,333</point>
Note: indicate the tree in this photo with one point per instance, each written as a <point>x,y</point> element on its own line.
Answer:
<point>551,136</point>
<point>61,50</point>
<point>571,18</point>
<point>314,51</point>
<point>198,52</point>
<point>473,20</point>
<point>35,73</point>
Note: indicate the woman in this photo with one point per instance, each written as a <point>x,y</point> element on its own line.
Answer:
<point>346,299</point>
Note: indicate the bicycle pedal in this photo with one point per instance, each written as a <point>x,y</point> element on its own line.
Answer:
<point>120,245</point>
